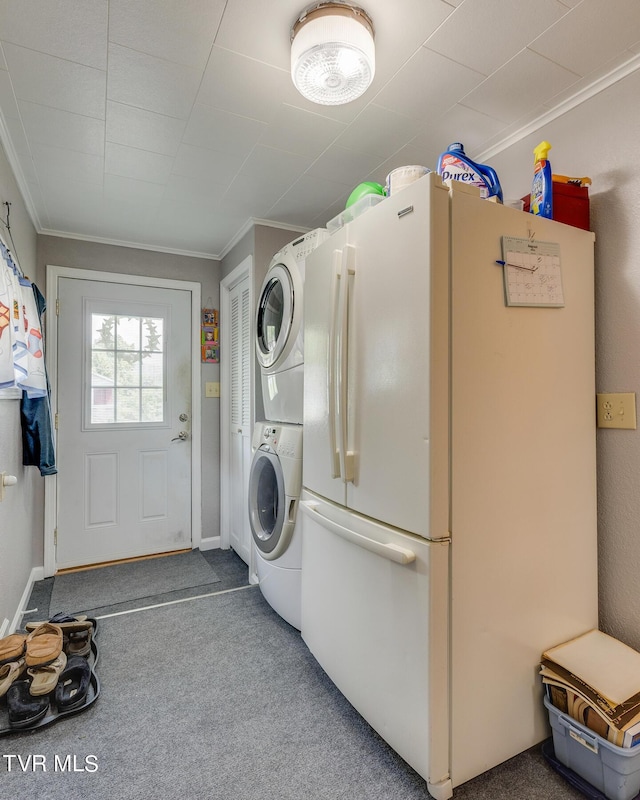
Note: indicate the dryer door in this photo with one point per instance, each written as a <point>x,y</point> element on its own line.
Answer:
<point>267,502</point>
<point>278,316</point>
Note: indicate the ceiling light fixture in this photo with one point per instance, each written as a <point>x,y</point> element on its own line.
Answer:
<point>333,58</point>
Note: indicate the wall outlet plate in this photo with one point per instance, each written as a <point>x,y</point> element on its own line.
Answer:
<point>616,410</point>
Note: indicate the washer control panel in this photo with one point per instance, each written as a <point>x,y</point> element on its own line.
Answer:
<point>271,436</point>
<point>285,440</point>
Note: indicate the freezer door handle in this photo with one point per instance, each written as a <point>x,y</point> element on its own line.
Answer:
<point>392,552</point>
<point>333,412</point>
<point>346,456</point>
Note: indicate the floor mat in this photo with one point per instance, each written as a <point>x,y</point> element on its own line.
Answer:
<point>95,588</point>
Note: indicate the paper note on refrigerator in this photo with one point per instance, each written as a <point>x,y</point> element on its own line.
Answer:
<point>532,273</point>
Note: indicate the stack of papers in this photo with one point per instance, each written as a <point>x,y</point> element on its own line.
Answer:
<point>595,679</point>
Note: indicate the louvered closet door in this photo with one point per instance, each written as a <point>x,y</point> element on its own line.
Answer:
<point>240,432</point>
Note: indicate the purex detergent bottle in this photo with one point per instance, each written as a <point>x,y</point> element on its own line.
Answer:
<point>455,164</point>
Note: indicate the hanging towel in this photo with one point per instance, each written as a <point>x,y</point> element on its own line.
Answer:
<point>18,341</point>
<point>34,381</point>
<point>7,372</point>
<point>22,363</point>
<point>21,351</point>
<point>38,448</point>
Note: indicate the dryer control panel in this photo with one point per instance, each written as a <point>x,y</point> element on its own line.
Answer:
<point>307,244</point>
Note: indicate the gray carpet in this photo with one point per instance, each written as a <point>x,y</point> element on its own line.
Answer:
<point>218,699</point>
<point>95,588</point>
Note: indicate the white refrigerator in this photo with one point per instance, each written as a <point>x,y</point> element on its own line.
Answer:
<point>449,503</point>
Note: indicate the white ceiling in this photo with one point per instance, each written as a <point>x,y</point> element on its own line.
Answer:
<point>172,124</point>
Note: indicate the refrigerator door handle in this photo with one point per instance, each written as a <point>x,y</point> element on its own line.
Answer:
<point>392,552</point>
<point>346,456</point>
<point>333,411</point>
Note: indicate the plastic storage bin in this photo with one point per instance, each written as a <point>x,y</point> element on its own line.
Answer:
<point>615,771</point>
<point>570,204</point>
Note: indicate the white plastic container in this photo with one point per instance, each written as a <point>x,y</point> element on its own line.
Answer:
<point>613,770</point>
<point>515,203</point>
<point>397,179</point>
<point>349,214</point>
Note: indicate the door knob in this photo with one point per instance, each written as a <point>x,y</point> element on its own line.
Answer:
<point>182,436</point>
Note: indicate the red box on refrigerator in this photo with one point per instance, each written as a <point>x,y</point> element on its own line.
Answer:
<point>570,204</point>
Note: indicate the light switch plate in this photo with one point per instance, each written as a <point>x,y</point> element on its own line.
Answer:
<point>616,410</point>
<point>212,389</point>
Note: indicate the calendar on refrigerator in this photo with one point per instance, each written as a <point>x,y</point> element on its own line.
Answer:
<point>532,273</point>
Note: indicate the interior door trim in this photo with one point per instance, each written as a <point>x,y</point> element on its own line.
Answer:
<point>54,273</point>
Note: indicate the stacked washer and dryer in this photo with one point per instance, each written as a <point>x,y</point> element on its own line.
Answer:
<point>275,479</point>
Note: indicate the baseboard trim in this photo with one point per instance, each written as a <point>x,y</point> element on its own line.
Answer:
<point>85,567</point>
<point>210,543</point>
<point>36,574</point>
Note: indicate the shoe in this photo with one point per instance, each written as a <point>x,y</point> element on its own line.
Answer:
<point>45,678</point>
<point>25,710</point>
<point>73,686</point>
<point>61,617</point>
<point>77,630</point>
<point>68,622</point>
<point>9,673</point>
<point>12,647</point>
<point>44,645</point>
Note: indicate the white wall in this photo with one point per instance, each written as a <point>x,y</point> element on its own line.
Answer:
<point>21,510</point>
<point>601,139</point>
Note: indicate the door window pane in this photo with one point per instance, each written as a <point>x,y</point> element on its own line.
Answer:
<point>103,367</point>
<point>151,409</point>
<point>128,405</point>
<point>102,405</point>
<point>152,370</point>
<point>103,328</point>
<point>128,333</point>
<point>152,336</point>
<point>127,354</point>
<point>128,369</point>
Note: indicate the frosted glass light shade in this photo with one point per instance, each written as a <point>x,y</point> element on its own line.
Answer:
<point>332,54</point>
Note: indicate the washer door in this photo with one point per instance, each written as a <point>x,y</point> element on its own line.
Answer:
<point>278,315</point>
<point>267,503</point>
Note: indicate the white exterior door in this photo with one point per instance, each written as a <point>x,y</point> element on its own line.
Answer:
<point>241,349</point>
<point>124,421</point>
